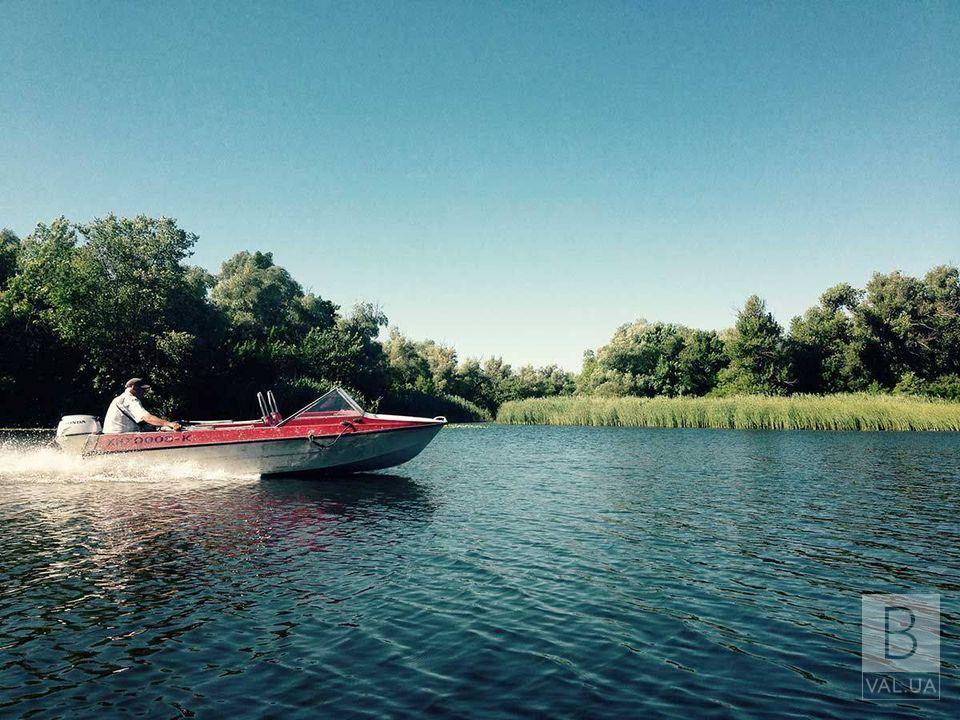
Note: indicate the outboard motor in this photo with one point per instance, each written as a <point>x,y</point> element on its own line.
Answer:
<point>74,431</point>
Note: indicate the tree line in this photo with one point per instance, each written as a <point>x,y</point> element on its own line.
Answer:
<point>84,306</point>
<point>899,334</point>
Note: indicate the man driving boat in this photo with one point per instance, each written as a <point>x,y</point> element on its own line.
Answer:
<point>126,411</point>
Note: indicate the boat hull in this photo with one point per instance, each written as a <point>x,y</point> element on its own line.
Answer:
<point>359,452</point>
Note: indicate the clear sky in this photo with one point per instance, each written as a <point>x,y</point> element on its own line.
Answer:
<point>515,179</point>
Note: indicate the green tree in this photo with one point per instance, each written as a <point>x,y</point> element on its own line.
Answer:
<point>442,360</point>
<point>277,336</point>
<point>758,353</point>
<point>35,362</point>
<point>584,381</point>
<point>108,298</point>
<point>260,298</point>
<point>9,245</point>
<point>134,296</point>
<point>894,327</point>
<point>407,366</point>
<point>546,381</point>
<point>648,359</point>
<point>474,385</point>
<point>361,361</point>
<point>502,380</point>
<point>909,325</point>
<point>826,346</point>
<point>942,286</point>
<point>700,361</point>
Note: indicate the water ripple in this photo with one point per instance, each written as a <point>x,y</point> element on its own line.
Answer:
<point>569,572</point>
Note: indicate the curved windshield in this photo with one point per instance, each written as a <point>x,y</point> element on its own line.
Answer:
<point>337,400</point>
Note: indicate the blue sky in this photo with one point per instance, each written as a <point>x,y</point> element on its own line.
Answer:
<point>514,179</point>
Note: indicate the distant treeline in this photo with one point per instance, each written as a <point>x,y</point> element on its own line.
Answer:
<point>899,334</point>
<point>85,306</point>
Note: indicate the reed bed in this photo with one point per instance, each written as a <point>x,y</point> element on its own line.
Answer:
<point>746,412</point>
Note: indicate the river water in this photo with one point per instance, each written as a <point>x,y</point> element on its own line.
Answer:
<point>507,571</point>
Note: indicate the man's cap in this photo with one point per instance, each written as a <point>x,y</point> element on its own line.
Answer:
<point>137,382</point>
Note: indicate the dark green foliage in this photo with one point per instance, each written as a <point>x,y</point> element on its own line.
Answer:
<point>826,346</point>
<point>259,297</point>
<point>646,359</point>
<point>429,368</point>
<point>355,358</point>
<point>414,402</point>
<point>701,360</point>
<point>944,386</point>
<point>84,307</point>
<point>758,353</point>
<point>9,244</point>
<point>892,315</point>
<point>911,325</point>
<point>900,333</point>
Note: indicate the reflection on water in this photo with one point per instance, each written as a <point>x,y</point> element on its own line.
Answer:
<point>537,571</point>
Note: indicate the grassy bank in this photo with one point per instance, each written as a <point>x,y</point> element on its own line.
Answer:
<point>748,412</point>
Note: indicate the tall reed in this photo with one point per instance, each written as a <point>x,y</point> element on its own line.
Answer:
<point>855,411</point>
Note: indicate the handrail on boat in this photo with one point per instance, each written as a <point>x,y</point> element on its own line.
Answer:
<point>272,403</point>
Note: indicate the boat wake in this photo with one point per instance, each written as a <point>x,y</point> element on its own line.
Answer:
<point>30,462</point>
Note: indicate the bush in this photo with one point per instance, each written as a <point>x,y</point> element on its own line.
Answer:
<point>945,386</point>
<point>414,402</point>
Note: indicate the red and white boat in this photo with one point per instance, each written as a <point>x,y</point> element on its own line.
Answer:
<point>330,435</point>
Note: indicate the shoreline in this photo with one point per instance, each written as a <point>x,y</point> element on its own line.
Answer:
<point>843,412</point>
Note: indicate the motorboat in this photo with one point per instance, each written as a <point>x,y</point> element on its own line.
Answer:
<point>331,435</point>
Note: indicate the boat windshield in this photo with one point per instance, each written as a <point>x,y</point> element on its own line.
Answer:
<point>336,401</point>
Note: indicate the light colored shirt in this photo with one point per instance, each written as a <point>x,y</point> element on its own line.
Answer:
<point>123,414</point>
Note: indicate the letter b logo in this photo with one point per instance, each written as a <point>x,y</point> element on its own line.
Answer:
<point>900,633</point>
<point>898,622</point>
